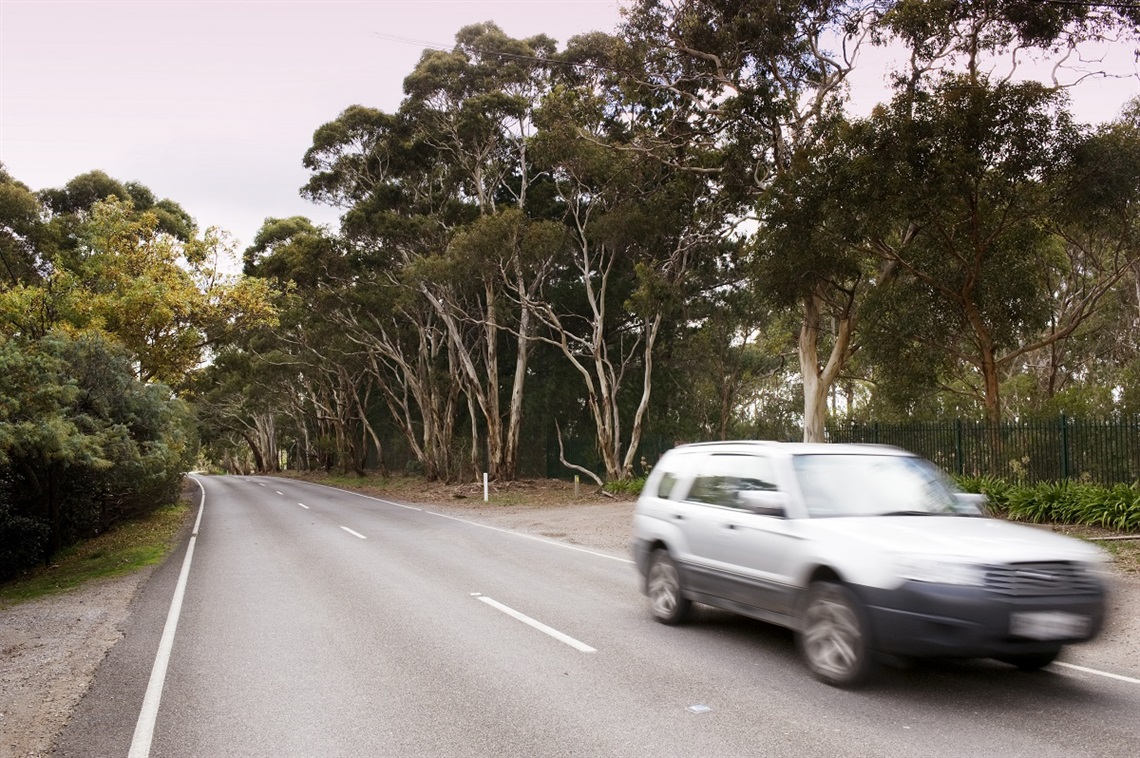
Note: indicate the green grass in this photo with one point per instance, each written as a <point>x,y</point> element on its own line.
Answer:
<point>127,548</point>
<point>1125,555</point>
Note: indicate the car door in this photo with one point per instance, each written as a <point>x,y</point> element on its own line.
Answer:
<point>761,547</point>
<point>701,515</point>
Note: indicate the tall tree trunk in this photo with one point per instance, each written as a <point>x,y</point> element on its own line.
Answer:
<point>651,330</point>
<point>258,458</point>
<point>817,378</point>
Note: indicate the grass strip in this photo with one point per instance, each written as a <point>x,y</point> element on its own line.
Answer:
<point>128,547</point>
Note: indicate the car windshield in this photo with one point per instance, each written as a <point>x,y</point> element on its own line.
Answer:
<point>872,485</point>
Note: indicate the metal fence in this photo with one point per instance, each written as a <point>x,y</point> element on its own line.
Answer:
<point>1105,451</point>
<point>585,453</point>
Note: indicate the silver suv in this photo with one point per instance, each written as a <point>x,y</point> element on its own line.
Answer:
<point>862,550</point>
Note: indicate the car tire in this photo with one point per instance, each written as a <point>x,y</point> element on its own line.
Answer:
<point>833,635</point>
<point>1031,661</point>
<point>667,602</point>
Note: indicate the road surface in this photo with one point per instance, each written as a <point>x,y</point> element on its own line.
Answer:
<point>317,622</point>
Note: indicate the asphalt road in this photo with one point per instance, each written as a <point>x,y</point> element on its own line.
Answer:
<point>317,622</point>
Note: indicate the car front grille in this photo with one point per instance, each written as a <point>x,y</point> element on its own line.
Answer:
<point>1033,579</point>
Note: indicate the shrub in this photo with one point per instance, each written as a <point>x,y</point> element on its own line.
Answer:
<point>23,541</point>
<point>630,487</point>
<point>84,445</point>
<point>1066,502</point>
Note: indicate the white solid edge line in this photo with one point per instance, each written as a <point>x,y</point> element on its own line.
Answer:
<point>483,526</point>
<point>1098,673</point>
<point>368,497</point>
<point>144,727</point>
<point>567,639</point>
<point>354,534</point>
<point>531,537</point>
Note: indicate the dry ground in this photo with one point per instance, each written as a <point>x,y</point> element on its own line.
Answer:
<point>50,648</point>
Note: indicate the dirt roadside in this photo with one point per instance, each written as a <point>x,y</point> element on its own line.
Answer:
<point>50,648</point>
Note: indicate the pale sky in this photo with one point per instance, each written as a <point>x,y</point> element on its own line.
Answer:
<point>212,103</point>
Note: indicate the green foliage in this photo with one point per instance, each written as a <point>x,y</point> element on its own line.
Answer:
<point>129,546</point>
<point>22,541</point>
<point>83,444</point>
<point>1116,508</point>
<point>629,487</point>
<point>80,196</point>
<point>948,251</point>
<point>996,491</point>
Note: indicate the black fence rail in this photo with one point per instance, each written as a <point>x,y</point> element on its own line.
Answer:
<point>1105,451</point>
<point>584,452</point>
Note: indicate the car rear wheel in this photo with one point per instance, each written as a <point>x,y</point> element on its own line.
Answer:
<point>1031,661</point>
<point>663,583</point>
<point>833,636</point>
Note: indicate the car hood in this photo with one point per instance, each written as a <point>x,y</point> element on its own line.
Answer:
<point>982,540</point>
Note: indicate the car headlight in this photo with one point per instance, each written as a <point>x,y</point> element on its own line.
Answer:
<point>940,571</point>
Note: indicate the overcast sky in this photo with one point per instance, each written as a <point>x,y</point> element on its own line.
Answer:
<point>213,103</point>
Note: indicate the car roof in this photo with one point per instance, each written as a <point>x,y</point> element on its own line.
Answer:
<point>792,448</point>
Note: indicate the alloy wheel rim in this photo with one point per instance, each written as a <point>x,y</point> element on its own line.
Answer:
<point>831,638</point>
<point>663,588</point>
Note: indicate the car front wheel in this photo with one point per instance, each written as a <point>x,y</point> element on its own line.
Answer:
<point>663,583</point>
<point>833,635</point>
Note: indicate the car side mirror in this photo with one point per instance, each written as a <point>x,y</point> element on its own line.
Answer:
<point>764,502</point>
<point>970,504</point>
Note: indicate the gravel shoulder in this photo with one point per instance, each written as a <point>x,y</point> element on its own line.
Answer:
<point>50,648</point>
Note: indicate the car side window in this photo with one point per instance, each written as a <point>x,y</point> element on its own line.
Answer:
<point>725,475</point>
<point>665,486</point>
<point>758,476</point>
<point>712,490</point>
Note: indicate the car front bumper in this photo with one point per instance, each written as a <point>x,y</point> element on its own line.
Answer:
<point>937,620</point>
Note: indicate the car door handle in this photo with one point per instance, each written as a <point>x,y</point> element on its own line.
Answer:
<point>678,516</point>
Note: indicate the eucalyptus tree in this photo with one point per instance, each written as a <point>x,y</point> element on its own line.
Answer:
<point>759,84</point>
<point>78,197</point>
<point>237,412</point>
<point>163,298</point>
<point>25,238</point>
<point>717,365</point>
<point>996,39</point>
<point>1098,252</point>
<point>436,200</point>
<point>635,225</point>
<point>401,205</point>
<point>998,212</point>
<point>764,84</point>
<point>473,106</point>
<point>321,375</point>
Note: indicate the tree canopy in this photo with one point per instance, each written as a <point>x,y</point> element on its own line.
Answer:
<point>584,253</point>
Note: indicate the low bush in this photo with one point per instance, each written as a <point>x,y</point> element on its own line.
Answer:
<point>630,487</point>
<point>1067,502</point>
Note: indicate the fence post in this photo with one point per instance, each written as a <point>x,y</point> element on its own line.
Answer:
<point>959,448</point>
<point>1064,447</point>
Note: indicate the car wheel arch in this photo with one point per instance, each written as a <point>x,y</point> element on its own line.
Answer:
<point>821,573</point>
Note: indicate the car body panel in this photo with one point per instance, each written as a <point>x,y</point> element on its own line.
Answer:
<point>1016,577</point>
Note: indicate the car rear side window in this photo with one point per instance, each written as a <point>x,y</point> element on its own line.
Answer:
<point>665,486</point>
<point>724,476</point>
